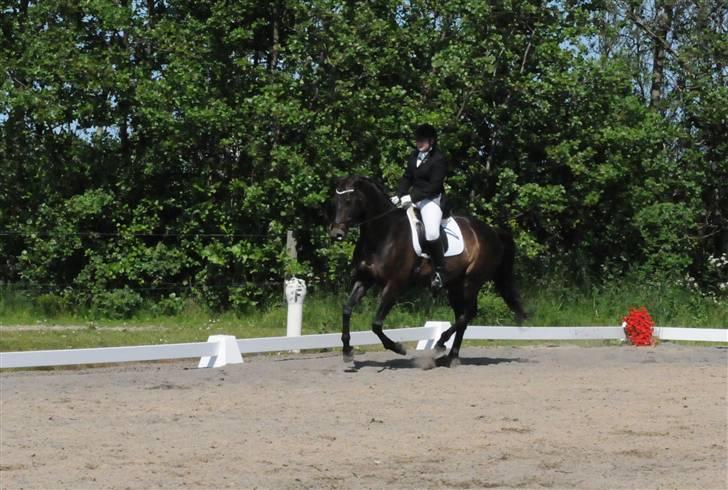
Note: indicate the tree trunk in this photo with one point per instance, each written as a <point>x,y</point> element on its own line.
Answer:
<point>275,38</point>
<point>663,23</point>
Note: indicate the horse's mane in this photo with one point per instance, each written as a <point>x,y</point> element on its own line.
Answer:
<point>372,182</point>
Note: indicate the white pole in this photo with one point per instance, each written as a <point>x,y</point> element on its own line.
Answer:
<point>295,293</point>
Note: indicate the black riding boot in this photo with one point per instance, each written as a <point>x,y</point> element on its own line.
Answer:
<point>438,263</point>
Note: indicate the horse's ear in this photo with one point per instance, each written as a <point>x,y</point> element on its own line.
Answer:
<point>336,181</point>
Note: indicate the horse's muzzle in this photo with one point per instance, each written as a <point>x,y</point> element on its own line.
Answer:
<point>337,232</point>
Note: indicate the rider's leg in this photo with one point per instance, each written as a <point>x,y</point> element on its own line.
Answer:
<point>431,217</point>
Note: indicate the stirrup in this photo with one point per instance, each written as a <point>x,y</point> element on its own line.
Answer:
<point>437,281</point>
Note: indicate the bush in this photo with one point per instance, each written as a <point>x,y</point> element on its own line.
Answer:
<point>171,305</point>
<point>665,229</point>
<point>50,304</point>
<point>116,303</point>
<point>490,304</point>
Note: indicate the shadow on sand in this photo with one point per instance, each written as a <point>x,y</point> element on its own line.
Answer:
<point>426,362</point>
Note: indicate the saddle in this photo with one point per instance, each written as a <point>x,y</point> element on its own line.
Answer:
<point>420,227</point>
<point>450,234</point>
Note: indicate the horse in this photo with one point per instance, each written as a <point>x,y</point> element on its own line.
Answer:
<point>384,256</point>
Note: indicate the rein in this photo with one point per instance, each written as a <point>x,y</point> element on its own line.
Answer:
<point>375,218</point>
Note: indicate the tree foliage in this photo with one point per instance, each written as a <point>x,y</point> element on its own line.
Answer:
<point>155,147</point>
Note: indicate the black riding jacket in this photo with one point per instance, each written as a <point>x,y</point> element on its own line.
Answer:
<point>425,181</point>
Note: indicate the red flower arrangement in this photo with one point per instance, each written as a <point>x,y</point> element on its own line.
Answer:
<point>638,326</point>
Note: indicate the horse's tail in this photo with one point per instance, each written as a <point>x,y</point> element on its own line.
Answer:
<point>504,278</point>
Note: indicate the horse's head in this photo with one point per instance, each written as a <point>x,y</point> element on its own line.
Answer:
<point>349,207</point>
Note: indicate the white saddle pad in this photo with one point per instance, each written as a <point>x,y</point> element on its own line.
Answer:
<point>455,242</point>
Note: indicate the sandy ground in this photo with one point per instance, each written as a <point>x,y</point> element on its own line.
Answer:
<point>562,417</point>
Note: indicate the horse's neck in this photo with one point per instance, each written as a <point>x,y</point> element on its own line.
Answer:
<point>380,222</point>
<point>377,209</point>
<point>379,219</point>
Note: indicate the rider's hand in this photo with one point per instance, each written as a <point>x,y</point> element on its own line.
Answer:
<point>406,201</point>
<point>395,200</point>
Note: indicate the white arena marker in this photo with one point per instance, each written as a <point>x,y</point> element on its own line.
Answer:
<point>227,352</point>
<point>438,327</point>
<point>295,290</point>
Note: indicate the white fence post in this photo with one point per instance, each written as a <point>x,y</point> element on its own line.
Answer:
<point>228,352</point>
<point>295,294</point>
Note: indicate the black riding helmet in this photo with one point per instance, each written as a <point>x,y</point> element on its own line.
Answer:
<point>425,132</point>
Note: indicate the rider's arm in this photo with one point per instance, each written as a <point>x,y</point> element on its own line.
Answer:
<point>433,186</point>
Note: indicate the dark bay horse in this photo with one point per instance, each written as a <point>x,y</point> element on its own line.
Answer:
<point>384,256</point>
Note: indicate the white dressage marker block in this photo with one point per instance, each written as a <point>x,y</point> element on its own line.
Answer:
<point>295,291</point>
<point>438,327</point>
<point>227,352</point>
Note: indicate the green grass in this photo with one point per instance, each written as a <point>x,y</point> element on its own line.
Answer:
<point>669,306</point>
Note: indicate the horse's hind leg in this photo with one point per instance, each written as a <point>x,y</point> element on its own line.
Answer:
<point>389,294</point>
<point>357,293</point>
<point>464,302</point>
<point>471,309</point>
<point>455,296</point>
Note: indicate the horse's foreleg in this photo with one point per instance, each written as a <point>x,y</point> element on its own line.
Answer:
<point>357,293</point>
<point>457,302</point>
<point>389,295</point>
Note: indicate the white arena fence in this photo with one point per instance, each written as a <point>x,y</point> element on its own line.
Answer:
<point>220,350</point>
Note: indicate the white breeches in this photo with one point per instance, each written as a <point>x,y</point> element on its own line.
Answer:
<point>431,217</point>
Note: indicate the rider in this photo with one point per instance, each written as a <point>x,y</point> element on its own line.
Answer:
<point>422,186</point>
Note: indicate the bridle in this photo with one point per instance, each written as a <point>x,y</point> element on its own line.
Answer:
<point>347,191</point>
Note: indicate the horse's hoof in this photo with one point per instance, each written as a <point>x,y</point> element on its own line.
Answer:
<point>444,361</point>
<point>447,361</point>
<point>348,355</point>
<point>399,349</point>
<point>439,351</point>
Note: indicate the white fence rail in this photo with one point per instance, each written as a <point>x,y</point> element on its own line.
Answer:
<point>220,350</point>
<point>694,334</point>
<point>327,340</point>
